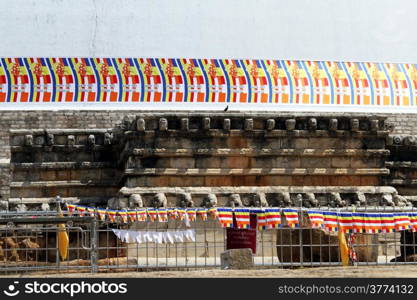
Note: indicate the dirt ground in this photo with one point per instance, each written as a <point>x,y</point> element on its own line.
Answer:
<point>321,272</point>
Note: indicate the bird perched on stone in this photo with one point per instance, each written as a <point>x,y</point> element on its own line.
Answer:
<point>227,107</point>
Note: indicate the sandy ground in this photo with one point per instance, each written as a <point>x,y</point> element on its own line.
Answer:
<point>320,272</point>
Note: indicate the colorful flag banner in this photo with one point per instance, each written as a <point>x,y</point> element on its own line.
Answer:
<point>192,213</point>
<point>172,213</point>
<point>387,222</point>
<point>141,213</point>
<point>316,218</point>
<point>345,222</point>
<point>260,218</point>
<point>213,213</point>
<point>102,214</point>
<point>402,221</point>
<point>181,213</point>
<point>242,218</point>
<point>133,215</point>
<point>71,208</point>
<point>330,221</point>
<point>82,210</point>
<point>358,222</point>
<point>91,211</point>
<point>162,215</point>
<point>225,215</point>
<point>123,216</point>
<point>291,215</point>
<point>413,221</point>
<point>372,222</point>
<point>112,214</point>
<point>152,213</point>
<point>273,217</point>
<point>202,212</point>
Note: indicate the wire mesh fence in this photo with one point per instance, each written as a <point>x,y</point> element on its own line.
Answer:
<point>29,243</point>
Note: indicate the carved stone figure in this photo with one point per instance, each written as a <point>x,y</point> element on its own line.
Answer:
<point>71,140</point>
<point>260,200</point>
<point>354,124</point>
<point>160,200</point>
<point>312,123</point>
<point>135,201</point>
<point>163,124</point>
<point>235,201</point>
<point>270,124</point>
<point>290,124</point>
<point>108,138</point>
<point>45,207</point>
<point>50,139</point>
<point>333,124</point>
<point>248,124</point>
<point>311,200</point>
<point>226,124</point>
<point>206,123</point>
<point>29,140</point>
<point>186,200</point>
<point>185,124</point>
<point>210,200</point>
<point>91,140</point>
<point>374,125</point>
<point>140,124</point>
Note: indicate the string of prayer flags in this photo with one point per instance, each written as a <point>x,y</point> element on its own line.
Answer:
<point>387,222</point>
<point>260,218</point>
<point>330,221</point>
<point>402,221</point>
<point>192,213</point>
<point>273,217</point>
<point>202,212</point>
<point>242,218</point>
<point>345,222</point>
<point>152,213</point>
<point>162,215</point>
<point>71,208</point>
<point>225,216</point>
<point>133,215</point>
<point>413,221</point>
<point>172,213</point>
<point>316,218</point>
<point>91,211</point>
<point>102,214</point>
<point>213,213</point>
<point>291,215</point>
<point>112,215</point>
<point>357,223</point>
<point>371,223</point>
<point>141,213</point>
<point>82,210</point>
<point>181,213</point>
<point>123,216</point>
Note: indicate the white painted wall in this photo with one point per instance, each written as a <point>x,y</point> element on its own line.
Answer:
<point>355,30</point>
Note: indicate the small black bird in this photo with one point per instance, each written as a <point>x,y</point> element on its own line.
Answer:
<point>227,107</point>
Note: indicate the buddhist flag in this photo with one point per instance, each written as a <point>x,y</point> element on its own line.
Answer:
<point>291,215</point>
<point>191,212</point>
<point>141,213</point>
<point>387,222</point>
<point>123,215</point>
<point>242,218</point>
<point>260,218</point>
<point>225,215</point>
<point>345,222</point>
<point>413,221</point>
<point>273,217</point>
<point>172,213</point>
<point>102,214</point>
<point>372,223</point>
<point>316,218</point>
<point>202,212</point>
<point>81,209</point>
<point>70,208</point>
<point>91,211</point>
<point>358,222</point>
<point>152,213</point>
<point>62,236</point>
<point>181,213</point>
<point>112,215</point>
<point>402,221</point>
<point>330,221</point>
<point>162,215</point>
<point>213,213</point>
<point>133,215</point>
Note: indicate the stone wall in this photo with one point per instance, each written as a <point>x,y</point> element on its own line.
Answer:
<point>13,120</point>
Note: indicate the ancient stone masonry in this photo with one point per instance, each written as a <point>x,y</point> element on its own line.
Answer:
<point>206,159</point>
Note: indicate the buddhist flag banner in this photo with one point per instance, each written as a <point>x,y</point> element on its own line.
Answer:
<point>413,221</point>
<point>345,222</point>
<point>387,222</point>
<point>141,213</point>
<point>402,221</point>
<point>202,212</point>
<point>371,223</point>
<point>242,218</point>
<point>213,213</point>
<point>91,211</point>
<point>172,213</point>
<point>260,218</point>
<point>273,217</point>
<point>152,213</point>
<point>112,214</point>
<point>71,208</point>
<point>123,216</point>
<point>82,210</point>
<point>225,215</point>
<point>316,218</point>
<point>192,214</point>
<point>162,215</point>
<point>102,214</point>
<point>291,215</point>
<point>181,213</point>
<point>330,221</point>
<point>358,222</point>
<point>133,215</point>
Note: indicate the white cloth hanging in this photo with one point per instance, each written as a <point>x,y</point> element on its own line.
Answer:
<point>159,237</point>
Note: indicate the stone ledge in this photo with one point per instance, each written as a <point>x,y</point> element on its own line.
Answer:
<point>64,165</point>
<point>66,183</point>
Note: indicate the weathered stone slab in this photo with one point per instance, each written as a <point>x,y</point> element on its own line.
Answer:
<point>237,259</point>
